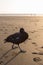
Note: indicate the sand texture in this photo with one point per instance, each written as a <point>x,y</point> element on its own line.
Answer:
<point>33,46</point>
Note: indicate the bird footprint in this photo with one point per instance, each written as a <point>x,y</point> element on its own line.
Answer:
<point>37,59</point>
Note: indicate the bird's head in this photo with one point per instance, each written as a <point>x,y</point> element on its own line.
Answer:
<point>21,30</point>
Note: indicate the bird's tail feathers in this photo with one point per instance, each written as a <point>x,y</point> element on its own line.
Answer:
<point>4,40</point>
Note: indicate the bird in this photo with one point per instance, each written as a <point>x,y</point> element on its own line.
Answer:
<point>17,38</point>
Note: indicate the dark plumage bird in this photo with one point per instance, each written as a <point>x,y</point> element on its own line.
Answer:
<point>17,38</point>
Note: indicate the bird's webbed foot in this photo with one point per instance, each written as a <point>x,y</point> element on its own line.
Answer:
<point>22,51</point>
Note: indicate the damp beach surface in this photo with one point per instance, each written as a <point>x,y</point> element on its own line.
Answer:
<point>33,46</point>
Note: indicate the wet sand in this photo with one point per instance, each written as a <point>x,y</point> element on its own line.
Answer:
<point>33,46</point>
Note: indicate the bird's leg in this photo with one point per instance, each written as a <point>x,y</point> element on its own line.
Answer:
<point>21,49</point>
<point>13,46</point>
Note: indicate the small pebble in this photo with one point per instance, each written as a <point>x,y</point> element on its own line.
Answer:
<point>32,32</point>
<point>16,27</point>
<point>1,62</point>
<point>40,53</point>
<point>34,53</point>
<point>29,38</point>
<point>5,29</point>
<point>42,47</point>
<point>33,42</point>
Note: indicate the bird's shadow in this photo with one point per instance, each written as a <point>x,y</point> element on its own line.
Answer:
<point>11,58</point>
<point>6,53</point>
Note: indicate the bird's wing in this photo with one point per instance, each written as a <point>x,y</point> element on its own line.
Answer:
<point>17,38</point>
